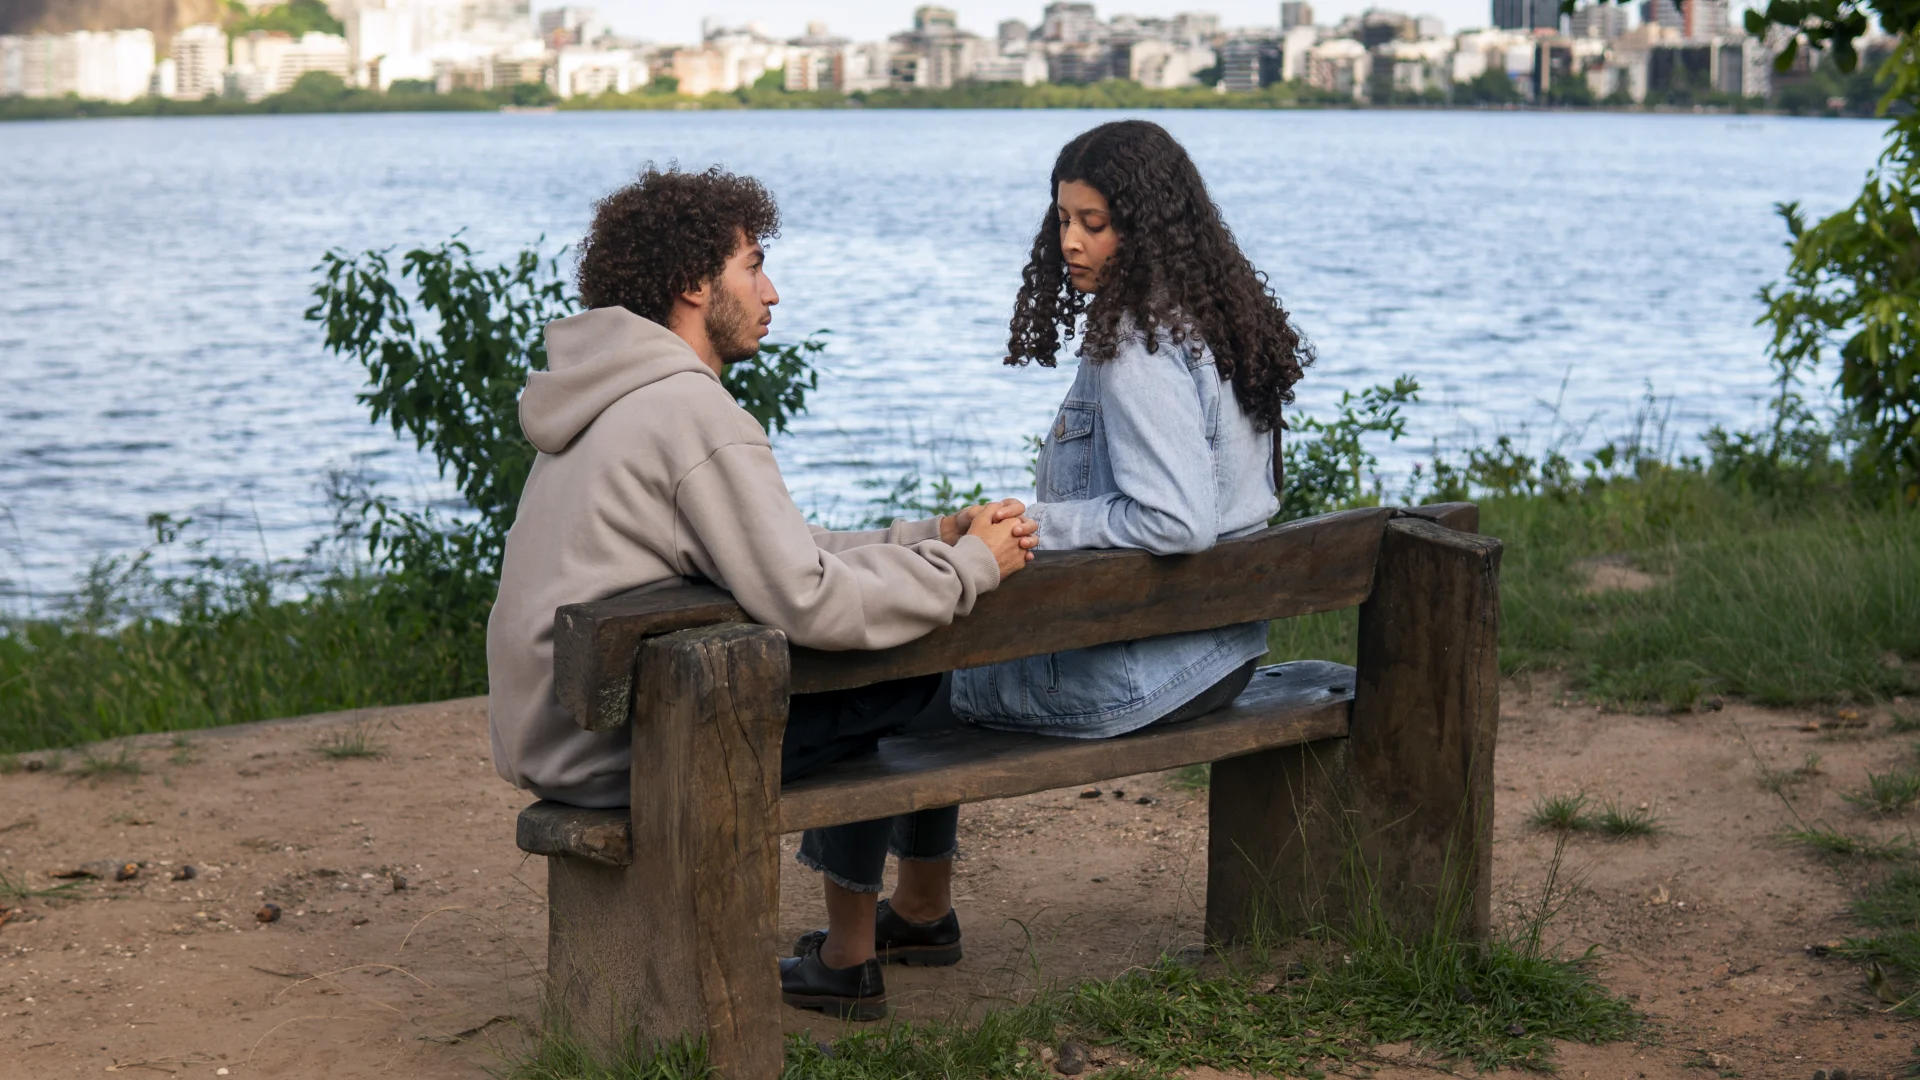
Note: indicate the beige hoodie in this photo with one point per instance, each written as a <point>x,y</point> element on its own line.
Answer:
<point>649,471</point>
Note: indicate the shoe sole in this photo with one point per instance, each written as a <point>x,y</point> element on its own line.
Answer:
<point>905,955</point>
<point>922,955</point>
<point>841,1008</point>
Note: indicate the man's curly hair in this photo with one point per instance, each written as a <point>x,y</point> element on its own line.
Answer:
<point>667,233</point>
<point>1177,270</point>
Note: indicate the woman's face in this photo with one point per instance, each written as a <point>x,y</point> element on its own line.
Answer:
<point>1087,239</point>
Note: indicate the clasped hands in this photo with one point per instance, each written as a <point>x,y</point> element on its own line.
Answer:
<point>1003,525</point>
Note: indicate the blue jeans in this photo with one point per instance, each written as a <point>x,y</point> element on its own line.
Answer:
<point>825,728</point>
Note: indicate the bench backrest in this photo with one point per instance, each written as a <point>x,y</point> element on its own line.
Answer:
<point>1063,600</point>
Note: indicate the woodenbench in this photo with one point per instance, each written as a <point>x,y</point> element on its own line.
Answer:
<point>663,920</point>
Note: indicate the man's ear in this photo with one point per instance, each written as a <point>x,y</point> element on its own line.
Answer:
<point>697,297</point>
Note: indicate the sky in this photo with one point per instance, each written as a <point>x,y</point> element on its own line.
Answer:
<point>869,20</point>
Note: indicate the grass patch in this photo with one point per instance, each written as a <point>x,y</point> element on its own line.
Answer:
<point>353,742</point>
<point>1497,1006</point>
<point>1191,777</point>
<point>1827,840</point>
<point>1620,821</point>
<point>227,646</point>
<point>1887,793</point>
<point>15,888</point>
<point>1779,780</point>
<point>94,764</point>
<point>1890,906</point>
<point>1562,813</point>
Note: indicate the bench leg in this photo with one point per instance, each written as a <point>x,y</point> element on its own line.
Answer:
<point>681,943</point>
<point>1400,813</point>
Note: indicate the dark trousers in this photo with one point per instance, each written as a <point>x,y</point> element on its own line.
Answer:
<point>829,727</point>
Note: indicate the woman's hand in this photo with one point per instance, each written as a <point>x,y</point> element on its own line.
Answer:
<point>1012,539</point>
<point>955,526</point>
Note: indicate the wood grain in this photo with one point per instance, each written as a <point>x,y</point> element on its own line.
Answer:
<point>1399,814</point>
<point>550,828</point>
<point>681,942</point>
<point>1285,704</point>
<point>1063,600</point>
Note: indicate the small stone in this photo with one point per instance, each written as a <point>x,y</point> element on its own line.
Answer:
<point>1516,1029</point>
<point>1118,794</point>
<point>268,913</point>
<point>1098,880</point>
<point>186,873</point>
<point>1090,793</point>
<point>1071,1060</point>
<point>1837,1074</point>
<point>1719,1061</point>
<point>35,765</point>
<point>360,920</point>
<point>1146,800</point>
<point>126,871</point>
<point>1819,1074</point>
<point>399,881</point>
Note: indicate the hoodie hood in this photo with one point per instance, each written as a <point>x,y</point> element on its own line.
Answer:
<point>594,359</point>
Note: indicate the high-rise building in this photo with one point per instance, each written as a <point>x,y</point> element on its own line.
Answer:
<point>108,65</point>
<point>570,25</point>
<point>929,18</point>
<point>1600,20</point>
<point>1534,15</point>
<point>200,62</point>
<point>1197,28</point>
<point>1697,20</point>
<point>1013,36</point>
<point>1707,19</point>
<point>1073,24</point>
<point>1295,13</point>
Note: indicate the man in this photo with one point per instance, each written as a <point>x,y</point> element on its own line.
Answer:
<point>649,473</point>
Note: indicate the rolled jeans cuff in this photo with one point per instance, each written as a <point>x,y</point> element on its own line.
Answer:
<point>811,863</point>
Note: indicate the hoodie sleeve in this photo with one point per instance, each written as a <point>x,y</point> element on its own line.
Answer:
<point>1156,440</point>
<point>738,527</point>
<point>901,531</point>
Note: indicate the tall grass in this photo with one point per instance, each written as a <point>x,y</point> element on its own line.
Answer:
<point>1785,602</point>
<point>227,642</point>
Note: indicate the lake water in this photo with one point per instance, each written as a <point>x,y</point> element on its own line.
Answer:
<point>1524,267</point>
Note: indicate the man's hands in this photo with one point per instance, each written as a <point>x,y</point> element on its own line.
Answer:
<point>1003,525</point>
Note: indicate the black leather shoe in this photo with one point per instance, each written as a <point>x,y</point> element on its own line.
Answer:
<point>855,993</point>
<point>897,941</point>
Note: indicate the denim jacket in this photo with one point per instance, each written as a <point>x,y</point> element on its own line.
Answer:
<point>1150,450</point>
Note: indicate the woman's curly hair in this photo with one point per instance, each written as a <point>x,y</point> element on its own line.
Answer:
<point>667,233</point>
<point>1177,270</point>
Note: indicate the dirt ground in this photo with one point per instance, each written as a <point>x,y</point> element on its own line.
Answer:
<point>1706,925</point>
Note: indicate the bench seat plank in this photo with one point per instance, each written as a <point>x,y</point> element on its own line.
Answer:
<point>1285,705</point>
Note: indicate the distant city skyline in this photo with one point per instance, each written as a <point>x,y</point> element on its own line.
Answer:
<point>871,20</point>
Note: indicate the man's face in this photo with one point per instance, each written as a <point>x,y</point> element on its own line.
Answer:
<point>742,306</point>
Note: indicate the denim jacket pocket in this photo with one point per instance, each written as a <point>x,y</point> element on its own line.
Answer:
<point>1068,462</point>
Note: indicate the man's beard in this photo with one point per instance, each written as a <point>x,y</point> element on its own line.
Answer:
<point>729,329</point>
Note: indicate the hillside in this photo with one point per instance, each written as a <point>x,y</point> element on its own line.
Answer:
<point>163,17</point>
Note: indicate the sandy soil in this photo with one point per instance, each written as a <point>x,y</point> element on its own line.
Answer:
<point>1706,925</point>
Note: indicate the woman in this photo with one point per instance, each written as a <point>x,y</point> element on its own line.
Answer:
<point>1165,441</point>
